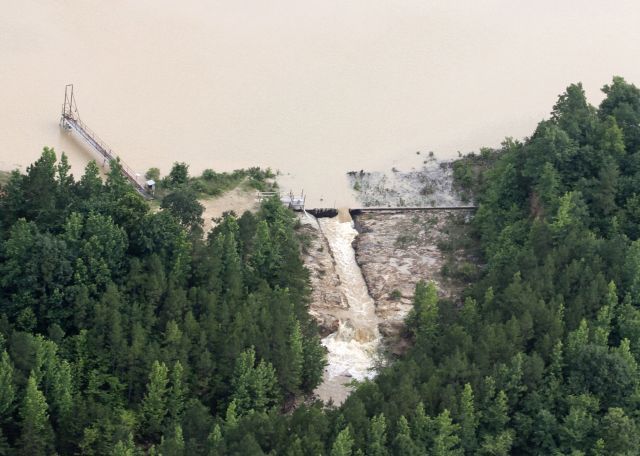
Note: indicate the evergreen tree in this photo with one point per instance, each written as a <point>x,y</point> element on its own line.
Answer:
<point>602,326</point>
<point>36,437</point>
<point>576,430</point>
<point>468,420</point>
<point>632,272</point>
<point>254,386</point>
<point>124,448</point>
<point>612,138</point>
<point>215,441</point>
<point>231,417</point>
<point>179,174</point>
<point>343,444</point>
<point>578,339</point>
<point>314,362</point>
<point>177,393</point>
<point>496,414</point>
<point>173,445</point>
<point>61,395</point>
<point>573,114</point>
<point>90,184</point>
<point>403,444</point>
<point>183,204</point>
<point>497,445</point>
<point>39,189</point>
<point>7,388</point>
<point>622,101</point>
<point>296,357</point>
<point>154,405</point>
<point>421,426</point>
<point>295,448</point>
<point>446,441</point>
<point>265,259</point>
<point>619,432</point>
<point>377,438</point>
<point>548,188</point>
<point>423,317</point>
<point>231,272</point>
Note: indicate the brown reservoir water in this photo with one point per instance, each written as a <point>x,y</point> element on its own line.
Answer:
<point>313,88</point>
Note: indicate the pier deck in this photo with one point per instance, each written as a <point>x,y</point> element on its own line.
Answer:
<point>70,120</point>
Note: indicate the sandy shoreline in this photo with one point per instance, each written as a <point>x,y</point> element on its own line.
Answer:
<point>237,200</point>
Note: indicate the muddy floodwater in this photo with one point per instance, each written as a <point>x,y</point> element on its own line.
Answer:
<point>352,349</point>
<point>313,88</point>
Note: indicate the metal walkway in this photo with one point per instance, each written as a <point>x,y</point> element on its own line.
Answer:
<point>70,120</point>
<point>332,212</point>
<point>361,210</point>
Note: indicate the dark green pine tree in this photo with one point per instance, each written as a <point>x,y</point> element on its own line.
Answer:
<point>124,447</point>
<point>315,359</point>
<point>468,420</point>
<point>154,407</point>
<point>39,189</point>
<point>254,386</point>
<point>173,444</point>
<point>36,436</point>
<point>265,259</point>
<point>422,319</point>
<point>177,392</point>
<point>343,444</point>
<point>90,185</point>
<point>446,441</point>
<point>231,276</point>
<point>7,387</point>
<point>296,357</point>
<point>403,444</point>
<point>377,436</point>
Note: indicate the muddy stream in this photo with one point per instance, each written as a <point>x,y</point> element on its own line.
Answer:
<point>353,348</point>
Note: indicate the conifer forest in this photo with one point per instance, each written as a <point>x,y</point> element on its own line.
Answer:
<point>127,328</point>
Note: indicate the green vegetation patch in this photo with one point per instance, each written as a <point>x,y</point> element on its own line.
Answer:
<point>211,183</point>
<point>4,177</point>
<point>122,332</point>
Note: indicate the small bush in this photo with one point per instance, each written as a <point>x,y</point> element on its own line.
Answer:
<point>153,174</point>
<point>428,189</point>
<point>445,245</point>
<point>395,295</point>
<point>466,271</point>
<point>208,174</point>
<point>405,239</point>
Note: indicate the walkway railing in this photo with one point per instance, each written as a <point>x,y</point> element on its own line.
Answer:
<point>71,120</point>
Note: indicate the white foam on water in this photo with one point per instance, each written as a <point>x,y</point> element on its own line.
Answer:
<point>353,347</point>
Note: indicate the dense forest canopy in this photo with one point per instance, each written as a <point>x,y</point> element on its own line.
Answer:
<point>120,324</point>
<point>124,331</point>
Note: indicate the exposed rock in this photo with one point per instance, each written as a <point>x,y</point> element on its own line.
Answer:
<point>327,324</point>
<point>429,185</point>
<point>327,301</point>
<point>395,251</point>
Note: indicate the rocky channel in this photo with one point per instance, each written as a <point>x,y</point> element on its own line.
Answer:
<point>393,251</point>
<point>396,250</point>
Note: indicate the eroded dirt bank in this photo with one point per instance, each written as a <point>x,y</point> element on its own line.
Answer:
<point>393,251</point>
<point>327,302</point>
<point>396,250</point>
<point>341,304</point>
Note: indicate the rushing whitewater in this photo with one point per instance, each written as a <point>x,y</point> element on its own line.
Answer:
<point>353,348</point>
